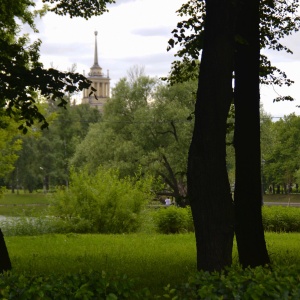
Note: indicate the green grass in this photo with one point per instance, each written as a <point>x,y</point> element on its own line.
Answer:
<point>23,204</point>
<point>154,259</point>
<point>24,198</point>
<point>22,210</point>
<point>283,248</point>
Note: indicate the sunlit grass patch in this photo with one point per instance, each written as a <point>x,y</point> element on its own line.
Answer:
<point>284,248</point>
<point>24,198</point>
<point>155,260</point>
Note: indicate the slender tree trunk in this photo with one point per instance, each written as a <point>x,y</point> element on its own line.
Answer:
<point>248,189</point>
<point>207,178</point>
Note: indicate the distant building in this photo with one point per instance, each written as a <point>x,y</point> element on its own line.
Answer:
<point>100,82</point>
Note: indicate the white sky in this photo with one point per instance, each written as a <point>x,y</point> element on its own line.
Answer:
<point>136,32</point>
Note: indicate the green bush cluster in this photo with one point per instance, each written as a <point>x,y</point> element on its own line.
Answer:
<point>98,214</point>
<point>107,203</point>
<point>280,282</point>
<point>249,284</point>
<point>174,219</point>
<point>275,218</point>
<point>83,286</point>
<point>281,219</point>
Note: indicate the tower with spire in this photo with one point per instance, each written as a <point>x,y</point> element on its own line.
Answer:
<point>100,82</point>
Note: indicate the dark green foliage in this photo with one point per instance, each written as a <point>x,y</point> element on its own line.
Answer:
<point>144,126</point>
<point>281,161</point>
<point>22,76</point>
<point>277,19</point>
<point>174,220</point>
<point>281,219</point>
<point>84,9</point>
<point>257,283</point>
<point>44,157</point>
<point>92,285</point>
<point>23,82</point>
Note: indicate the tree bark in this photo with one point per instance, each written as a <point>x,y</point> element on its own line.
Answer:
<point>207,178</point>
<point>248,189</point>
<point>5,264</point>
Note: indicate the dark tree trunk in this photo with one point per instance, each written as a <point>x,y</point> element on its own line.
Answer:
<point>248,190</point>
<point>208,184</point>
<point>5,264</point>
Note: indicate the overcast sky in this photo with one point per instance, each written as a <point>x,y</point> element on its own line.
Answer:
<point>136,32</point>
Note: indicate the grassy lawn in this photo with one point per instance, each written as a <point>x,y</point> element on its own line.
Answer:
<point>23,198</point>
<point>23,204</point>
<point>154,259</point>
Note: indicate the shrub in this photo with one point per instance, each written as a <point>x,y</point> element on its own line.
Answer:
<point>109,204</point>
<point>173,219</point>
<point>236,283</point>
<point>93,285</point>
<point>281,219</point>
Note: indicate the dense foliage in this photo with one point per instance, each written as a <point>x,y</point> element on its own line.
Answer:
<point>92,285</point>
<point>281,163</point>
<point>237,283</point>
<point>166,220</point>
<point>10,145</point>
<point>43,157</point>
<point>145,125</point>
<point>281,219</point>
<point>174,220</point>
<point>258,283</point>
<point>106,203</point>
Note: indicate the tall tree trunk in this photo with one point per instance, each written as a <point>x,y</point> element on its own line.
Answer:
<point>248,191</point>
<point>207,178</point>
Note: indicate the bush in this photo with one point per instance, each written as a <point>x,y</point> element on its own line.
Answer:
<point>174,219</point>
<point>93,285</point>
<point>258,283</point>
<point>109,204</point>
<point>281,219</point>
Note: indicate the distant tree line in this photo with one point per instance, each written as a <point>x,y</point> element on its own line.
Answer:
<point>146,125</point>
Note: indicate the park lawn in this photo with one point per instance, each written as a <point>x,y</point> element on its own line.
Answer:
<point>154,259</point>
<point>23,210</point>
<point>24,198</point>
<point>23,204</point>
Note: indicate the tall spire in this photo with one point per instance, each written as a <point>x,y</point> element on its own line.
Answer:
<point>96,50</point>
<point>96,70</point>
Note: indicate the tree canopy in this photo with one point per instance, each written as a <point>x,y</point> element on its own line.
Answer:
<point>23,78</point>
<point>277,20</point>
<point>145,125</point>
<point>281,163</point>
